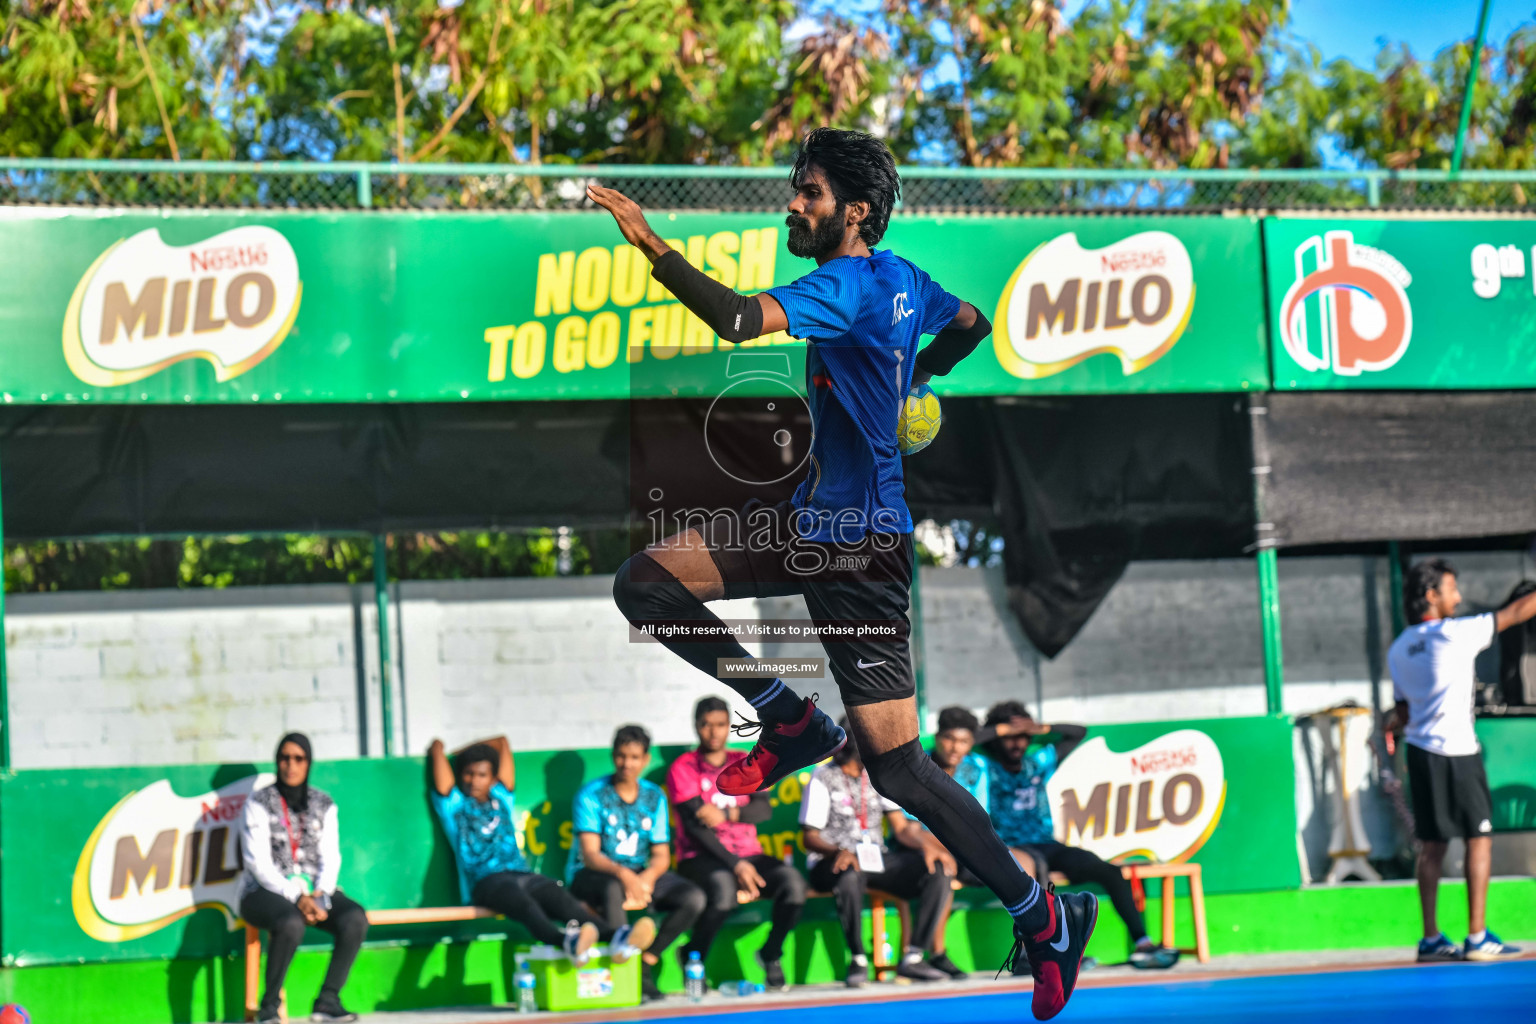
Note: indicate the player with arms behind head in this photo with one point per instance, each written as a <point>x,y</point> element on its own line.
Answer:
<point>844,541</point>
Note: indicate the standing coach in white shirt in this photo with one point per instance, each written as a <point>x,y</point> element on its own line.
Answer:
<point>1432,680</point>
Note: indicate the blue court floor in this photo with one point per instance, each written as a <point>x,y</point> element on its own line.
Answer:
<point>1501,993</point>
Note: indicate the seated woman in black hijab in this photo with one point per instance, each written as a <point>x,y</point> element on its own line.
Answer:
<point>292,863</point>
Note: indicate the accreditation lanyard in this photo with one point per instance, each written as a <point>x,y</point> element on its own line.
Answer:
<point>293,840</point>
<point>868,852</point>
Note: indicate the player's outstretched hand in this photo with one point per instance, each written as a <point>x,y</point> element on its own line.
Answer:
<point>630,218</point>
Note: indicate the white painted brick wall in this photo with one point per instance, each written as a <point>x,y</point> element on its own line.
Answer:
<point>183,676</point>
<point>158,677</point>
<point>547,661</point>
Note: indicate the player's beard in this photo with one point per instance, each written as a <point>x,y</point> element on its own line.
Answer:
<point>813,243</point>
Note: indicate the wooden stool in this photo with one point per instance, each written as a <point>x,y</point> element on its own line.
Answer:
<point>877,901</point>
<point>1168,872</point>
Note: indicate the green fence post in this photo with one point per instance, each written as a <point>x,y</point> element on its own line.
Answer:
<point>1264,541</point>
<point>364,189</point>
<point>1470,90</point>
<point>1269,617</point>
<point>1373,188</point>
<point>381,601</point>
<point>5,691</point>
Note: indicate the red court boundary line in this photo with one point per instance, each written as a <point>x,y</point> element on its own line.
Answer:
<point>911,993</point>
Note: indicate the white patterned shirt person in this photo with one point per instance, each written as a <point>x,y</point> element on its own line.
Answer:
<point>846,810</point>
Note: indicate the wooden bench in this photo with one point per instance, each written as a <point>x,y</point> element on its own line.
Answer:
<point>1168,872</point>
<point>411,915</point>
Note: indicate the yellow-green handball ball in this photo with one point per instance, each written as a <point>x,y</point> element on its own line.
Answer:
<point>920,420</point>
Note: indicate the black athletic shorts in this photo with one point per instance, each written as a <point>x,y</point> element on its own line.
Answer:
<point>1450,796</point>
<point>857,594</point>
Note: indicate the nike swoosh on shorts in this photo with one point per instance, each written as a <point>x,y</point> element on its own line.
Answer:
<point>870,664</point>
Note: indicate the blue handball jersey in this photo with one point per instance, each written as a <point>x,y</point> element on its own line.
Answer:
<point>862,319</point>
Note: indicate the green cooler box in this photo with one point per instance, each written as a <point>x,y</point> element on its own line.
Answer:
<point>598,985</point>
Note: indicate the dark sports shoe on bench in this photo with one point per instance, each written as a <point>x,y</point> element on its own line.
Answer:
<point>914,968</point>
<point>331,1010</point>
<point>773,975</point>
<point>942,962</point>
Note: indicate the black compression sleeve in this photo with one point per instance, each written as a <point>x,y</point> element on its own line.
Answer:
<point>951,345</point>
<point>757,811</point>
<point>701,833</point>
<point>733,316</point>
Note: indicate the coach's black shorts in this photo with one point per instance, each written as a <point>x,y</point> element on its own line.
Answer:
<point>1450,796</point>
<point>857,594</point>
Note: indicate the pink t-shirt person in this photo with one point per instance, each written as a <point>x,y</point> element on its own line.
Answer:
<point>691,776</point>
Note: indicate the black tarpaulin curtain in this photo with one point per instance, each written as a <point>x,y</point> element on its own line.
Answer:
<point>72,471</point>
<point>1080,486</point>
<point>1358,466</point>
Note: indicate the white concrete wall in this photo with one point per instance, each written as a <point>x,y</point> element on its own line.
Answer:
<point>549,662</point>
<point>164,677</point>
<point>181,676</point>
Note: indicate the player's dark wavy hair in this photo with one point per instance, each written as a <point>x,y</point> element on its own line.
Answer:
<point>1419,581</point>
<point>631,734</point>
<point>475,753</point>
<point>1002,711</point>
<point>859,167</point>
<point>957,718</point>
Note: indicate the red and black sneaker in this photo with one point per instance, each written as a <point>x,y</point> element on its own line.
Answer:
<point>781,750</point>
<point>1054,956</point>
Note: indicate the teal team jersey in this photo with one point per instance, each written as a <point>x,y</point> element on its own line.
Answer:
<point>1020,809</point>
<point>627,831</point>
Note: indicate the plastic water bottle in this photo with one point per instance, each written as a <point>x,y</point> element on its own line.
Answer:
<point>527,985</point>
<point>741,988</point>
<point>693,978</point>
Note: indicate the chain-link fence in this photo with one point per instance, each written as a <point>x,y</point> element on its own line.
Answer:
<point>926,189</point>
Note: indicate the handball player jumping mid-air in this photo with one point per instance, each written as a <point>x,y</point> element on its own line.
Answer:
<point>862,312</point>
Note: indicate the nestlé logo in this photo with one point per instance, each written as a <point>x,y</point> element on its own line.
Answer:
<point>144,305</point>
<point>1160,801</point>
<point>157,857</point>
<point>1065,303</point>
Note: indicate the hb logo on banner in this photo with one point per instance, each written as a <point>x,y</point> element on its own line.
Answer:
<point>1347,309</point>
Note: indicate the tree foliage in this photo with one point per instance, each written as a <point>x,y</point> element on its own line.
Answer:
<point>193,562</point>
<point>1154,83</point>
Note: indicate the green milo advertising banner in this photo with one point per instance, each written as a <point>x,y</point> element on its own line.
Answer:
<point>190,306</point>
<point>140,862</point>
<point>1402,304</point>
